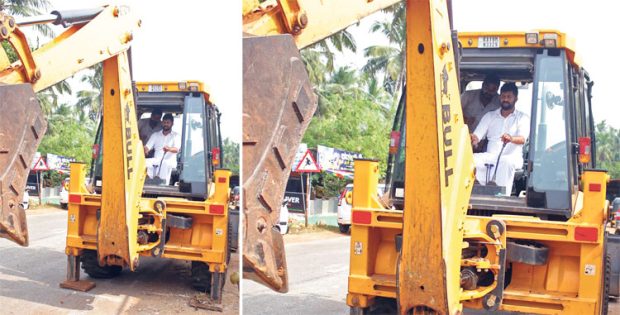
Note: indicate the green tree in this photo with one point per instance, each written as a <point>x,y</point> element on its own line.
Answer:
<point>66,136</point>
<point>608,148</point>
<point>89,100</point>
<point>231,155</point>
<point>319,57</point>
<point>49,98</point>
<point>389,61</point>
<point>352,124</point>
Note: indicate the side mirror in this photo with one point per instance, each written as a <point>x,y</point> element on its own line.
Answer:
<point>349,197</point>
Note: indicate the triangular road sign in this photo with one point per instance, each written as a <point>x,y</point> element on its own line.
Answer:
<point>40,165</point>
<point>307,164</point>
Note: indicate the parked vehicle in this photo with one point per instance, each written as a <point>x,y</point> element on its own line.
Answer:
<point>26,200</point>
<point>283,223</point>
<point>344,207</point>
<point>64,194</point>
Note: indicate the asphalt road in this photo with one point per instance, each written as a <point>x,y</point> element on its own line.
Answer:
<point>29,279</point>
<point>318,272</point>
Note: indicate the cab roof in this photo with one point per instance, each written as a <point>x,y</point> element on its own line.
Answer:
<point>180,86</point>
<point>518,40</point>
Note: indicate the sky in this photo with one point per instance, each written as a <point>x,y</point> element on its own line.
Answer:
<point>588,23</point>
<point>201,40</point>
<point>187,40</point>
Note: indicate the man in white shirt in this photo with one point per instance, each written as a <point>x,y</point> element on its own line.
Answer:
<point>476,103</point>
<point>166,145</point>
<point>149,126</point>
<point>505,126</point>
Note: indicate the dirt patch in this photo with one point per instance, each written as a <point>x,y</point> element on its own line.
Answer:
<point>160,301</point>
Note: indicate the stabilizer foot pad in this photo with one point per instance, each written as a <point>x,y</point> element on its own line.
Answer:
<point>81,285</point>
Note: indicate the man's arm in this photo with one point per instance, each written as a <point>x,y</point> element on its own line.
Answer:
<point>506,138</point>
<point>174,146</point>
<point>149,144</point>
<point>481,130</point>
<point>171,149</point>
<point>523,131</point>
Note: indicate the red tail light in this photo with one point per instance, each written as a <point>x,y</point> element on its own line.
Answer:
<point>96,148</point>
<point>588,234</point>
<point>361,217</point>
<point>215,153</point>
<point>394,141</point>
<point>341,197</point>
<point>585,147</point>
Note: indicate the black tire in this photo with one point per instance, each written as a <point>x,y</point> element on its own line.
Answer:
<point>90,265</point>
<point>344,228</point>
<point>381,306</point>
<point>201,276</point>
<point>64,206</point>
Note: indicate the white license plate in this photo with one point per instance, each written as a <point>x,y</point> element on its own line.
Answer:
<point>488,42</point>
<point>155,88</point>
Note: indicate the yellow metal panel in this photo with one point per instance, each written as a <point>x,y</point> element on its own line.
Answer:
<point>436,190</point>
<point>309,21</point>
<point>169,86</point>
<point>80,47</point>
<point>123,167</point>
<point>517,40</point>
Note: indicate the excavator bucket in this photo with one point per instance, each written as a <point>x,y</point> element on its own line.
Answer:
<point>278,104</point>
<point>22,127</point>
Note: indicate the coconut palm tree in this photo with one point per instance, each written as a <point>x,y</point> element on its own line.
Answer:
<point>89,100</point>
<point>389,60</point>
<point>49,98</point>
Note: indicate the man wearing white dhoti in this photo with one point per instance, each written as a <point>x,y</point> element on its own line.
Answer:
<point>507,130</point>
<point>166,145</point>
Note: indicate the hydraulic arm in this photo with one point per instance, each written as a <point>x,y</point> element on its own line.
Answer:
<point>92,36</point>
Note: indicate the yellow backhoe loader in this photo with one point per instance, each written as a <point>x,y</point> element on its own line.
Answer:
<point>123,214</point>
<point>438,248</point>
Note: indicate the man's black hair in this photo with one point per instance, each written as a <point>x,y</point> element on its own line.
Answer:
<point>510,87</point>
<point>491,78</point>
<point>168,117</point>
<point>156,111</point>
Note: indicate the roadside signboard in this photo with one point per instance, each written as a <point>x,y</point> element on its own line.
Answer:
<point>335,159</point>
<point>307,164</point>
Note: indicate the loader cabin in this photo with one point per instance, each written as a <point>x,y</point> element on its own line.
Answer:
<point>555,92</point>
<point>197,125</point>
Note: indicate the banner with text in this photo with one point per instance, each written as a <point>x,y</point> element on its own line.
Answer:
<point>331,159</point>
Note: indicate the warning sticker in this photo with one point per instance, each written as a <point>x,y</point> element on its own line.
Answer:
<point>219,232</point>
<point>589,270</point>
<point>357,248</point>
